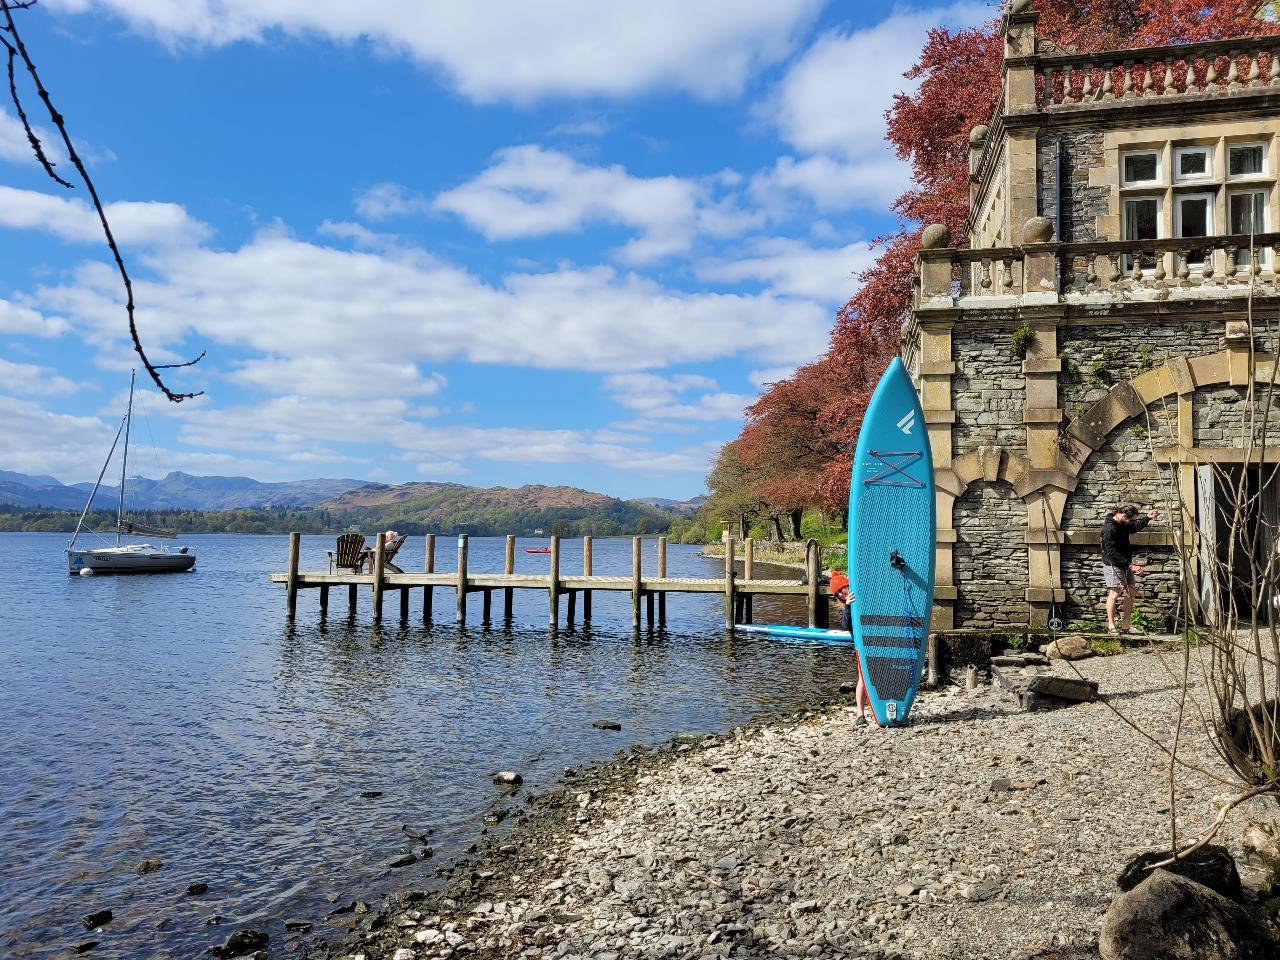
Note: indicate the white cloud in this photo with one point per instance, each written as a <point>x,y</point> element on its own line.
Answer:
<point>40,441</point>
<point>510,49</point>
<point>530,191</point>
<point>72,219</point>
<point>792,267</point>
<point>282,297</point>
<point>659,397</point>
<point>831,107</point>
<point>834,98</point>
<point>833,185</point>
<point>390,200</point>
<point>28,378</point>
<point>318,375</point>
<point>15,318</point>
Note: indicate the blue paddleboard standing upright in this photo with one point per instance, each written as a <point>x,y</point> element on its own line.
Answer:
<point>892,530</point>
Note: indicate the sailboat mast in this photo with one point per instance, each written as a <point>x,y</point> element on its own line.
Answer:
<point>124,456</point>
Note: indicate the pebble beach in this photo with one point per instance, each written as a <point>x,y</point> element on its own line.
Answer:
<point>979,831</point>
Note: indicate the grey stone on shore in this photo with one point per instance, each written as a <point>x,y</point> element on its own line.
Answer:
<point>85,946</point>
<point>297,926</point>
<point>196,889</point>
<point>1168,917</point>
<point>149,866</point>
<point>1211,866</point>
<point>1070,647</point>
<point>508,778</point>
<point>606,724</point>
<point>96,919</point>
<point>403,860</point>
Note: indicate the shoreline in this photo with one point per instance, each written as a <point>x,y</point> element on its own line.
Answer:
<point>806,834</point>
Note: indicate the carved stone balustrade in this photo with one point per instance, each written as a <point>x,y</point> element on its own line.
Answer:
<point>1219,67</point>
<point>1043,273</point>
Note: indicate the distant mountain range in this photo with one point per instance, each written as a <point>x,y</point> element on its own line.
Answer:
<point>176,491</point>
<point>332,504</point>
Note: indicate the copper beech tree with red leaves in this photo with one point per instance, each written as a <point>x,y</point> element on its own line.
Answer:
<point>798,437</point>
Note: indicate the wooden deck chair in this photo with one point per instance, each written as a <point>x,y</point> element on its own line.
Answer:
<point>389,551</point>
<point>349,553</point>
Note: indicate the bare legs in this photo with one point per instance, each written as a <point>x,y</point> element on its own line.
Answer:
<point>1130,593</point>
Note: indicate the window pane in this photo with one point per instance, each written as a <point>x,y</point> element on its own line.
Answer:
<point>1139,167</point>
<point>1193,163</point>
<point>1194,217</point>
<point>1245,160</point>
<point>1246,212</point>
<point>1140,219</point>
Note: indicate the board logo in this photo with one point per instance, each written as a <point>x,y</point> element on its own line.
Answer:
<point>907,422</point>
<point>891,710</point>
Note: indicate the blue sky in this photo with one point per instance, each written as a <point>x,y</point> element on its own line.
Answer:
<point>492,242</point>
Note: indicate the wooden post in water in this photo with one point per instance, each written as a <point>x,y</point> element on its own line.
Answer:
<point>486,606</point>
<point>379,566</point>
<point>351,600</point>
<point>509,567</point>
<point>748,573</point>
<point>811,560</point>
<point>730,593</point>
<point>404,604</point>
<point>324,600</point>
<point>461,587</point>
<point>662,574</point>
<point>553,590</point>
<point>428,566</point>
<point>291,585</point>
<point>586,572</point>
<point>635,583</point>
<point>572,600</point>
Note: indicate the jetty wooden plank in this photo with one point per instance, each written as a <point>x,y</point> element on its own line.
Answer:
<point>736,589</point>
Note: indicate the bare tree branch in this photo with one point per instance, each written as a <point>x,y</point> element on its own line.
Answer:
<point>19,48</point>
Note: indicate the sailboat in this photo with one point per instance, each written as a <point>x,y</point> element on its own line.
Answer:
<point>125,557</point>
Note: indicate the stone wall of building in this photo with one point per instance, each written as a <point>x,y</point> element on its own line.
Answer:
<point>990,556</point>
<point>1095,357</point>
<point>1222,417</point>
<point>1081,203</point>
<point>989,390</point>
<point>1158,589</point>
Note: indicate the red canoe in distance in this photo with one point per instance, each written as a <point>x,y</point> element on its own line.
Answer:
<point>537,549</point>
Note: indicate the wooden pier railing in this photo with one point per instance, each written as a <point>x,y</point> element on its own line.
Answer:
<point>738,590</point>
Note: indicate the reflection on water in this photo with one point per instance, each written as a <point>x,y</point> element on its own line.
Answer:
<point>180,719</point>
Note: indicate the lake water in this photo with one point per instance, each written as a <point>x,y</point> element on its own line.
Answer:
<point>181,719</point>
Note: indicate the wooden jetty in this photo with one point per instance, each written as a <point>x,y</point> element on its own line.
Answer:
<point>649,591</point>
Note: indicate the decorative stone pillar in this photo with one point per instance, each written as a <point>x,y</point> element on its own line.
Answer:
<point>977,145</point>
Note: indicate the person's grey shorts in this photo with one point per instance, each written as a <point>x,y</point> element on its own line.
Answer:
<point>1117,577</point>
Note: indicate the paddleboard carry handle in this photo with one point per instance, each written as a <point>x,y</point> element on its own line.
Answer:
<point>896,561</point>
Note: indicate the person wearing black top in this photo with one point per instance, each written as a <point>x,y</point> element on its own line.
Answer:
<point>1118,569</point>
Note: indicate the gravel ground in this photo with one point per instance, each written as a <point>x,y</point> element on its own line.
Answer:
<point>978,831</point>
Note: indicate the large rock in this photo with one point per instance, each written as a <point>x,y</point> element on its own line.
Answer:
<point>1167,917</point>
<point>1071,647</point>
<point>1211,865</point>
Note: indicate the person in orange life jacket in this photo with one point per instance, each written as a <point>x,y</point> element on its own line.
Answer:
<point>1118,569</point>
<point>840,590</point>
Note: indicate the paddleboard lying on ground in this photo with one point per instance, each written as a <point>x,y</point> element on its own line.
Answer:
<point>796,633</point>
<point>892,528</point>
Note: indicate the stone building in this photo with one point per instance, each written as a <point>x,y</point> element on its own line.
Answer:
<point>1107,334</point>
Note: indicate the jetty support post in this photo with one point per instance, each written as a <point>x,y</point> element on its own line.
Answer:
<point>461,586</point>
<point>291,585</point>
<point>404,604</point>
<point>812,553</point>
<point>553,586</point>
<point>324,601</point>
<point>748,573</point>
<point>379,566</point>
<point>486,606</point>
<point>635,583</point>
<point>351,599</point>
<point>730,588</point>
<point>509,567</point>
<point>572,600</point>
<point>662,575</point>
<point>586,572</point>
<point>428,566</point>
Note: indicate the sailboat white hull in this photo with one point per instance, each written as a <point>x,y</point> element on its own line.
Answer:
<point>135,558</point>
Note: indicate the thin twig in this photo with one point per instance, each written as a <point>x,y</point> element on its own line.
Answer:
<point>9,27</point>
<point>1218,823</point>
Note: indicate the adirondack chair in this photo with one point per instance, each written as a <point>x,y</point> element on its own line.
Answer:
<point>349,553</point>
<point>389,550</point>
